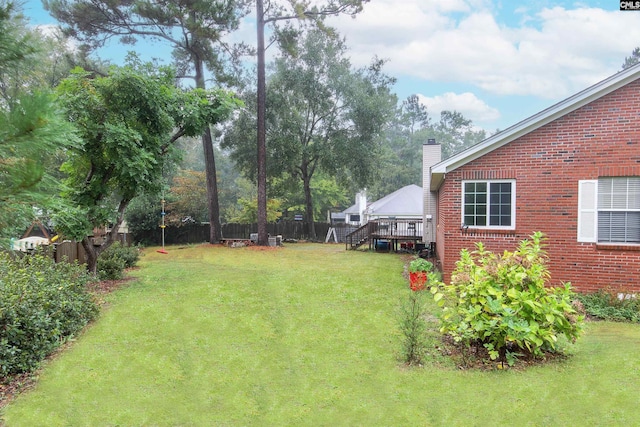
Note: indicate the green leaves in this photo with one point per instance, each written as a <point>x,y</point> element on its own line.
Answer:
<point>323,117</point>
<point>41,304</point>
<point>503,302</point>
<point>126,122</point>
<point>413,328</point>
<point>618,306</point>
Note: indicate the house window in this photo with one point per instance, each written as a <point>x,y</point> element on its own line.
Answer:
<point>354,218</point>
<point>489,204</point>
<point>619,210</point>
<point>609,210</point>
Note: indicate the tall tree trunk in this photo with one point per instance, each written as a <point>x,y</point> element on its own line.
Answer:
<point>308,201</point>
<point>91,255</point>
<point>215,233</point>
<point>263,238</point>
<point>215,228</point>
<point>93,252</point>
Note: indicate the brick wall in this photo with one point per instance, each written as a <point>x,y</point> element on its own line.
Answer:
<point>600,139</point>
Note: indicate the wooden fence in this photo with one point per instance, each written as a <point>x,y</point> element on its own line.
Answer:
<point>64,251</point>
<point>70,250</point>
<point>199,233</point>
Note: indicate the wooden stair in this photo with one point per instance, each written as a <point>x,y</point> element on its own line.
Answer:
<point>358,237</point>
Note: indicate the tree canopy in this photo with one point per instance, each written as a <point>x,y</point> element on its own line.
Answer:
<point>127,123</point>
<point>632,59</point>
<point>196,30</point>
<point>276,12</point>
<point>401,146</point>
<point>321,116</point>
<point>32,128</point>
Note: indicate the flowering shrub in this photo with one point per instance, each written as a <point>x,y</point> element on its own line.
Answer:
<point>502,303</point>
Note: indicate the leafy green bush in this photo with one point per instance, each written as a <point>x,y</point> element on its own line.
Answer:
<point>501,303</point>
<point>420,264</point>
<point>130,254</point>
<point>111,267</point>
<point>41,304</point>
<point>113,261</point>
<point>143,218</point>
<point>607,306</point>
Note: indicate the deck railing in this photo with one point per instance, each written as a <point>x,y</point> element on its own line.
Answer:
<point>386,228</point>
<point>396,228</point>
<point>358,237</point>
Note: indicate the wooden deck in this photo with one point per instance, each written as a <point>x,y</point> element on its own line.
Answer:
<point>388,234</point>
<point>399,234</point>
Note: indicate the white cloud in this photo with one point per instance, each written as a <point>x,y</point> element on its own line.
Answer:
<point>54,32</point>
<point>466,103</point>
<point>550,53</point>
<point>49,30</point>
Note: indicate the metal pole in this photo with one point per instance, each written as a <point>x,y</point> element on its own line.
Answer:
<point>162,251</point>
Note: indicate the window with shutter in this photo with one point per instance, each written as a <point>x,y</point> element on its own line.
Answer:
<point>609,210</point>
<point>619,210</point>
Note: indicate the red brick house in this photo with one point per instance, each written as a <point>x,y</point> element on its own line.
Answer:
<point>571,171</point>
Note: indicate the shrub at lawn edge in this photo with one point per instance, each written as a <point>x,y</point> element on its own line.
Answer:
<point>41,305</point>
<point>501,303</point>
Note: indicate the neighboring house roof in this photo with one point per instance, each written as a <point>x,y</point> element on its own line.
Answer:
<point>532,123</point>
<point>403,202</point>
<point>353,209</point>
<point>37,229</point>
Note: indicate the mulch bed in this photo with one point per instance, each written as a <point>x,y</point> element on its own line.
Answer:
<point>12,386</point>
<point>263,248</point>
<point>476,357</point>
<point>105,287</point>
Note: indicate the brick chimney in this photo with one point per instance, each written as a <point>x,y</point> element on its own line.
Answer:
<point>361,204</point>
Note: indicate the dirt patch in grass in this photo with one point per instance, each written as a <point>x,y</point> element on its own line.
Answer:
<point>476,357</point>
<point>263,248</point>
<point>12,386</point>
<point>105,287</point>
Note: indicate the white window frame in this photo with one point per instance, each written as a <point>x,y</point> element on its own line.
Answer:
<point>489,182</point>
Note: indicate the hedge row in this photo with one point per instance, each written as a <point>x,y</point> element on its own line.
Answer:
<point>41,305</point>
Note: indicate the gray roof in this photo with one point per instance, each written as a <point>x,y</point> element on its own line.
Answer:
<point>407,201</point>
<point>532,123</point>
<point>353,209</point>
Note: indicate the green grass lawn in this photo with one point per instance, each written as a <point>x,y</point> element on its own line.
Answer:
<point>306,335</point>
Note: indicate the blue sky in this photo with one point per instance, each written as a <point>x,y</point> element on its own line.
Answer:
<point>497,62</point>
